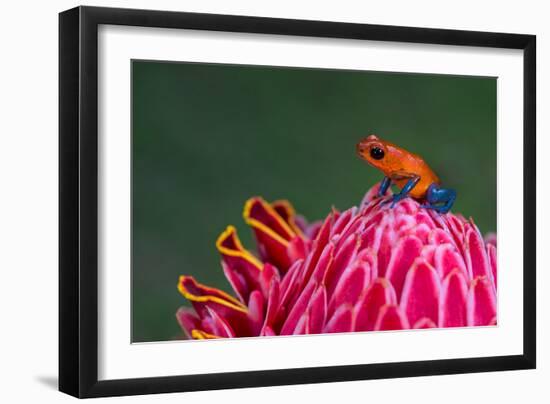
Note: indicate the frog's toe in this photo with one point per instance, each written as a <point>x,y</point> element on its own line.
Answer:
<point>439,209</point>
<point>391,201</point>
<point>395,199</point>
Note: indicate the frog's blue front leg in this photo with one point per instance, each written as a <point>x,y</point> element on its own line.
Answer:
<point>404,191</point>
<point>436,195</point>
<point>384,185</point>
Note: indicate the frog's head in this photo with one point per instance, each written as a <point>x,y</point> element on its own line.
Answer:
<point>374,151</point>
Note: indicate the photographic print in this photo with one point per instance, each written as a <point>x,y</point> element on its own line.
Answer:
<point>260,190</point>
<point>273,201</point>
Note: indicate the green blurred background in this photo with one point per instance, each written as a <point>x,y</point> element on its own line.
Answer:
<point>206,137</point>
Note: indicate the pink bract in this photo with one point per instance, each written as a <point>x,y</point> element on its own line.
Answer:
<point>368,268</point>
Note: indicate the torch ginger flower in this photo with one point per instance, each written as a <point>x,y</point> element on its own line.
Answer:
<point>368,268</point>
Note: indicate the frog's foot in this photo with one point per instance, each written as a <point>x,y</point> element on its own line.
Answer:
<point>395,199</point>
<point>437,208</point>
<point>439,199</point>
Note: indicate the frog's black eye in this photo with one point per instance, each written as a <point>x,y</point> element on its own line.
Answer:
<point>377,153</point>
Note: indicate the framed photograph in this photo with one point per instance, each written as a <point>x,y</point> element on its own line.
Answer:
<point>251,201</point>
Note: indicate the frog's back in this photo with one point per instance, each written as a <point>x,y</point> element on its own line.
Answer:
<point>415,164</point>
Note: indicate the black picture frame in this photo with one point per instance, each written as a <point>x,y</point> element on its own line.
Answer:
<point>78,201</point>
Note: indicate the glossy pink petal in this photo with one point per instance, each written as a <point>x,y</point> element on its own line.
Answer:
<point>482,307</point>
<point>325,262</point>
<point>404,225</point>
<point>407,206</point>
<point>272,233</point>
<point>290,283</point>
<point>314,318</point>
<point>439,236</point>
<point>342,260</point>
<point>380,293</point>
<point>266,277</point>
<point>423,217</point>
<point>342,221</point>
<point>492,252</point>
<point>241,268</point>
<point>297,249</point>
<point>220,327</point>
<point>256,310</point>
<point>354,280</point>
<point>286,211</point>
<point>391,318</point>
<point>491,239</point>
<point>476,258</point>
<point>420,296</point>
<point>267,332</point>
<point>273,304</point>
<point>298,310</point>
<point>317,311</point>
<point>376,220</point>
<point>447,259</point>
<point>422,232</point>
<point>318,246</point>
<point>453,301</point>
<point>204,298</point>
<point>302,327</point>
<point>238,282</point>
<point>428,253</point>
<point>402,258</point>
<point>341,320</point>
<point>368,257</point>
<point>424,322</point>
<point>457,229</point>
<point>188,320</point>
<point>384,248</point>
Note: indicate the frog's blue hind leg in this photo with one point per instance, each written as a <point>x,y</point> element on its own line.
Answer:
<point>443,196</point>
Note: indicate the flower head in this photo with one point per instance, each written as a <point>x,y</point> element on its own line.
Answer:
<point>370,267</point>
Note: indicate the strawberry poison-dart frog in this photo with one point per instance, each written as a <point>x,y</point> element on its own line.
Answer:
<point>406,170</point>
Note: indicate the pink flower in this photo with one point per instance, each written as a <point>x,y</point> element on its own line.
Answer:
<point>367,268</point>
